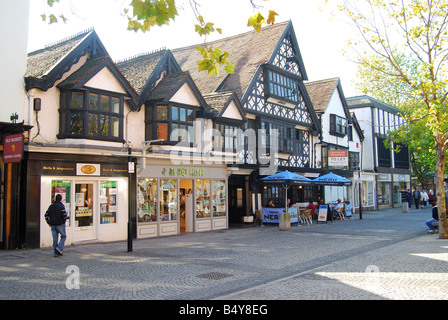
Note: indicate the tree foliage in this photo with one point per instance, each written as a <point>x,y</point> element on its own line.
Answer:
<point>145,14</point>
<point>419,30</point>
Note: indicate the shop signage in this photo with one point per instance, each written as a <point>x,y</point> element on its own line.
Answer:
<point>61,168</point>
<point>86,169</point>
<point>338,158</point>
<point>271,215</point>
<point>13,148</point>
<point>183,172</point>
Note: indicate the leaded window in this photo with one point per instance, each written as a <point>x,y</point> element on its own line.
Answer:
<point>91,114</point>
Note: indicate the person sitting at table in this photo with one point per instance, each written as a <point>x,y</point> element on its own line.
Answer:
<point>313,210</point>
<point>270,204</point>
<point>339,209</point>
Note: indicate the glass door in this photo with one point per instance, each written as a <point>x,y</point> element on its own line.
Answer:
<point>85,212</point>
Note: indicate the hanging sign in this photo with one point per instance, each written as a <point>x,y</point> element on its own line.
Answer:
<point>13,148</point>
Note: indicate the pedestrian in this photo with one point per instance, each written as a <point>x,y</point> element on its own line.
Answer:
<point>409,198</point>
<point>416,196</point>
<point>435,218</point>
<point>424,199</point>
<point>56,216</point>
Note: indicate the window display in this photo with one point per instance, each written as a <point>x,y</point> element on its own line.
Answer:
<point>147,200</point>
<point>202,198</point>
<point>219,198</point>
<point>108,202</point>
<point>63,188</point>
<point>168,200</point>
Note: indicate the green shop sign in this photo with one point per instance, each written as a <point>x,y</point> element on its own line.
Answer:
<point>183,172</point>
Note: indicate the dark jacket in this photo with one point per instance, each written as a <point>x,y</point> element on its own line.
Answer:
<point>56,214</point>
<point>435,213</point>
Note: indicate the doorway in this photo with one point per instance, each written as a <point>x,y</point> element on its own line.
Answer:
<point>85,211</point>
<point>186,208</point>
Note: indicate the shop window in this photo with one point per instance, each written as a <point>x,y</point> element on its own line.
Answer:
<point>63,188</point>
<point>202,198</point>
<point>92,115</point>
<point>219,198</point>
<point>168,200</point>
<point>147,200</point>
<point>108,202</point>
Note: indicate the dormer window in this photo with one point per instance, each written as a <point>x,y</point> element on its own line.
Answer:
<point>91,114</point>
<point>171,123</point>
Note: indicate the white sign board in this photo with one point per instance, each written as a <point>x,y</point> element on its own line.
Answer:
<point>338,158</point>
<point>322,214</point>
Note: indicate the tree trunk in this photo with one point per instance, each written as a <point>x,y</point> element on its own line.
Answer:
<point>440,168</point>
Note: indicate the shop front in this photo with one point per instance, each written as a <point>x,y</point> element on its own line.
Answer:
<point>180,199</point>
<point>95,195</point>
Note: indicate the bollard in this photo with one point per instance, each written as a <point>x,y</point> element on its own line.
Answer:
<point>405,207</point>
<point>284,221</point>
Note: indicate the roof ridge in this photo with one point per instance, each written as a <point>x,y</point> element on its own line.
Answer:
<point>323,80</point>
<point>79,34</point>
<point>142,54</point>
<point>62,41</point>
<point>275,25</point>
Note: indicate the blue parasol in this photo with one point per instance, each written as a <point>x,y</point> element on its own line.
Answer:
<point>331,179</point>
<point>287,179</point>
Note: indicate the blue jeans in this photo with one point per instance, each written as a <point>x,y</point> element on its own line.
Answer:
<point>56,231</point>
<point>429,224</point>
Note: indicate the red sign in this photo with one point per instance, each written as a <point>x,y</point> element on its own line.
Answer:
<point>13,148</point>
<point>337,153</point>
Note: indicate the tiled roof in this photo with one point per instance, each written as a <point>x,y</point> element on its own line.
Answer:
<point>40,62</point>
<point>217,100</point>
<point>320,92</point>
<point>84,71</point>
<point>168,85</point>
<point>138,70</point>
<point>248,51</point>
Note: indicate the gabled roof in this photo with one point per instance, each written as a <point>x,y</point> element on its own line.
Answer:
<point>357,127</point>
<point>143,71</point>
<point>248,51</point>
<point>48,65</point>
<point>219,102</point>
<point>321,92</point>
<point>91,68</point>
<point>171,84</point>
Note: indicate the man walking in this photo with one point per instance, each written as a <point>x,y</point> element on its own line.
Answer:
<point>416,197</point>
<point>55,217</point>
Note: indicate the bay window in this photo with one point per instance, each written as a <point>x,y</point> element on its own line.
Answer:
<point>91,115</point>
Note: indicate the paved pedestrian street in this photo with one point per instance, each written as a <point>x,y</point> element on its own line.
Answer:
<point>386,255</point>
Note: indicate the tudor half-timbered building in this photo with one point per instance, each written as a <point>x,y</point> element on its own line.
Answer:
<point>268,79</point>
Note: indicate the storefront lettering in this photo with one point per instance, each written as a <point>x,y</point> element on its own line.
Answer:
<point>183,172</point>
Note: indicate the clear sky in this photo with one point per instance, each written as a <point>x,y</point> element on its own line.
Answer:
<point>321,37</point>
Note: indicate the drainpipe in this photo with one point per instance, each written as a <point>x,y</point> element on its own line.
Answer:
<point>31,93</point>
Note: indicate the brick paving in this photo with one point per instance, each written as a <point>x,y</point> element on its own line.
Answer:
<point>386,255</point>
